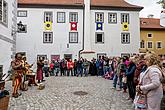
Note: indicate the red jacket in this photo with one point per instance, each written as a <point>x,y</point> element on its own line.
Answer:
<point>70,65</point>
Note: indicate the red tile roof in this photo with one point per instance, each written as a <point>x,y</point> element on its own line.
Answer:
<point>113,3</point>
<point>52,2</point>
<point>150,23</point>
<point>102,3</point>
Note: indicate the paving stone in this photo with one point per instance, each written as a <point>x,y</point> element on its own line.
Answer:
<point>59,95</point>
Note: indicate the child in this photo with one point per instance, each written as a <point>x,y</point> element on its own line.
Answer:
<point>124,80</point>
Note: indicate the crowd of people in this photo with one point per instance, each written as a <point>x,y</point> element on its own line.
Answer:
<point>142,76</point>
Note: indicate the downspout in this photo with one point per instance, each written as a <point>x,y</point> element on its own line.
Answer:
<point>83,31</point>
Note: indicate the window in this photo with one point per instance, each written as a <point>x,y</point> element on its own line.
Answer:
<point>60,17</point>
<point>125,38</point>
<point>149,35</point>
<point>99,17</point>
<point>22,13</point>
<point>3,12</point>
<point>149,44</point>
<point>1,71</point>
<point>99,37</point>
<point>43,57</point>
<point>124,17</point>
<point>0,10</point>
<point>48,37</point>
<point>48,16</point>
<point>142,44</point>
<point>159,45</point>
<point>73,37</point>
<point>101,55</point>
<point>112,17</point>
<point>73,16</point>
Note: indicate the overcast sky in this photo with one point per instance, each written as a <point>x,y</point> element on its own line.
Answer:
<point>150,7</point>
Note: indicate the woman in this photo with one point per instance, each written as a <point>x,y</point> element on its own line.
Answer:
<point>40,64</point>
<point>149,83</point>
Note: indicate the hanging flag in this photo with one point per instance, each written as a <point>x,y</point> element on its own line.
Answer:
<point>125,26</point>
<point>48,25</point>
<point>73,26</point>
<point>99,26</point>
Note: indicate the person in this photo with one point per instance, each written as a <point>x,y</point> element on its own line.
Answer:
<point>130,76</point>
<point>17,66</point>
<point>163,84</point>
<point>70,66</point>
<point>51,69</point>
<point>75,67</point>
<point>40,65</point>
<point>56,67</point>
<point>149,84</point>
<point>79,67</point>
<point>86,67</point>
<point>46,68</point>
<point>62,67</point>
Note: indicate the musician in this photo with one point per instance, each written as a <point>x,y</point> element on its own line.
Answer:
<point>17,66</point>
<point>40,65</point>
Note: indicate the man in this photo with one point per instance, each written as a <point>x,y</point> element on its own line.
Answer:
<point>17,66</point>
<point>86,67</point>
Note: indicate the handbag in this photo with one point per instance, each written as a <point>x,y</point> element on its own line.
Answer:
<point>140,101</point>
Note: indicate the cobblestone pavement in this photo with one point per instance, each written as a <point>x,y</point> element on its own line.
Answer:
<point>58,95</point>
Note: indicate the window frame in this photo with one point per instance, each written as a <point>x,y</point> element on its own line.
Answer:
<point>70,14</point>
<point>23,11</point>
<point>102,21</point>
<point>46,42</point>
<point>151,35</point>
<point>109,18</point>
<point>129,40</point>
<point>141,45</point>
<point>70,37</point>
<point>51,17</point>
<point>148,44</point>
<point>58,17</point>
<point>4,13</point>
<point>128,21</point>
<point>103,38</point>
<point>157,44</point>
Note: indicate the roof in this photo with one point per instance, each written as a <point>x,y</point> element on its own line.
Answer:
<point>96,3</point>
<point>150,23</point>
<point>114,3</point>
<point>51,2</point>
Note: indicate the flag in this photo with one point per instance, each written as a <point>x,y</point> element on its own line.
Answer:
<point>73,26</point>
<point>99,26</point>
<point>125,26</point>
<point>48,25</point>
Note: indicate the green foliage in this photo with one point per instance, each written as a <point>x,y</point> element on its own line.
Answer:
<point>162,3</point>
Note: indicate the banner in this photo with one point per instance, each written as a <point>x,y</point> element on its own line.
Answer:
<point>125,26</point>
<point>73,26</point>
<point>48,25</point>
<point>99,26</point>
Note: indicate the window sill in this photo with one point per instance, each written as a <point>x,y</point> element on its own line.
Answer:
<point>4,24</point>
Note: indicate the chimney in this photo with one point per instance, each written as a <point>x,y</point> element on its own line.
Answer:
<point>162,18</point>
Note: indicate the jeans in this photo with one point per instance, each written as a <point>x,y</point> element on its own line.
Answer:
<point>115,79</point>
<point>56,71</point>
<point>79,71</point>
<point>86,71</point>
<point>105,69</point>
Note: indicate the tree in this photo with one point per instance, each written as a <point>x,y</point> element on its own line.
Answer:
<point>162,3</point>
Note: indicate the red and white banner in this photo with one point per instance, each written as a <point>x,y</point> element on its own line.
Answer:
<point>73,26</point>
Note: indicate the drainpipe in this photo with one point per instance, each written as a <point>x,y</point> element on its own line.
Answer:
<point>83,31</point>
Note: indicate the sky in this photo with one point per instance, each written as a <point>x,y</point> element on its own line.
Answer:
<point>150,7</point>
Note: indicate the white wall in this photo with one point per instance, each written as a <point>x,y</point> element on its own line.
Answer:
<point>32,41</point>
<point>112,34</point>
<point>6,38</point>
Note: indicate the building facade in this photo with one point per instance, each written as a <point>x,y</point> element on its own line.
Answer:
<point>152,36</point>
<point>8,20</point>
<point>74,28</point>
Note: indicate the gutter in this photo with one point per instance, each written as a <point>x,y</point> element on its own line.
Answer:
<point>83,31</point>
